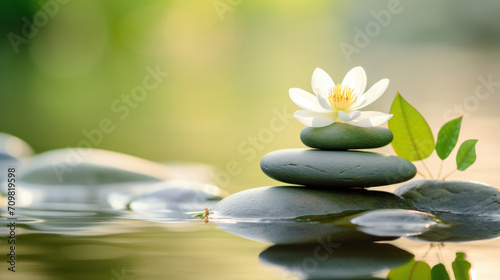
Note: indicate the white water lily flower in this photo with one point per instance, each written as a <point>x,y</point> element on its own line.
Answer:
<point>339,102</point>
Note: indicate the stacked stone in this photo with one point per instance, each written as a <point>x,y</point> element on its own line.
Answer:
<point>333,173</point>
<point>331,162</point>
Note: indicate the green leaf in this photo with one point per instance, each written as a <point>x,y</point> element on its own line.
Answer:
<point>448,137</point>
<point>438,272</point>
<point>411,271</point>
<point>413,139</point>
<point>466,154</point>
<point>461,267</point>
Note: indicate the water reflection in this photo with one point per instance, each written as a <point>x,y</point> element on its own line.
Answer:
<point>392,222</point>
<point>358,226</point>
<point>101,245</point>
<point>67,257</point>
<point>175,200</point>
<point>343,246</point>
<point>84,223</point>
<point>461,228</point>
<point>326,260</point>
<point>292,232</point>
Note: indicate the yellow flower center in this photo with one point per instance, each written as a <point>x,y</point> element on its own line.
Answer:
<point>341,97</point>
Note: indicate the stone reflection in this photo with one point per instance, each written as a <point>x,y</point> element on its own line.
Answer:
<point>462,228</point>
<point>330,260</point>
<point>292,232</point>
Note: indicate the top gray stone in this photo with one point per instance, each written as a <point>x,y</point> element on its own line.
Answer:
<point>342,136</point>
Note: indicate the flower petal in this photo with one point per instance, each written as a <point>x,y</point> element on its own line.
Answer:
<point>356,79</point>
<point>373,93</point>
<point>349,116</point>
<point>313,119</point>
<point>370,119</point>
<point>370,114</point>
<point>359,100</point>
<point>305,100</point>
<point>321,84</point>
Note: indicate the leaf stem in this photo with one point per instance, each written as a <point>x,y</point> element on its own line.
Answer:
<point>419,173</point>
<point>428,171</point>
<point>444,178</point>
<point>440,169</point>
<point>426,253</point>
<point>440,252</point>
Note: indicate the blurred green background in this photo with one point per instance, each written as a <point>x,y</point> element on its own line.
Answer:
<point>230,65</point>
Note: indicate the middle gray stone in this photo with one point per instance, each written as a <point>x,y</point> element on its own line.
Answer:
<point>336,169</point>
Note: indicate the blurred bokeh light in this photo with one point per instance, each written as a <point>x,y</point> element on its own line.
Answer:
<point>229,72</point>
